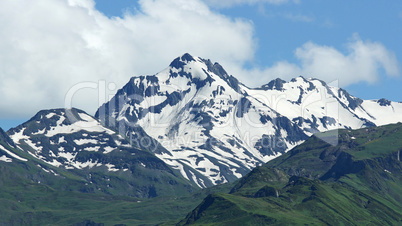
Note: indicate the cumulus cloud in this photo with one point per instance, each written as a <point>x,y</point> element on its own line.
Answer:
<point>49,46</point>
<point>363,61</point>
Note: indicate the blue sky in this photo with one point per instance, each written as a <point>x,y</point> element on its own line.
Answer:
<point>58,45</point>
<point>281,28</point>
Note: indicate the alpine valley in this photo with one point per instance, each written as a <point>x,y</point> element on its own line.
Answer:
<point>193,145</point>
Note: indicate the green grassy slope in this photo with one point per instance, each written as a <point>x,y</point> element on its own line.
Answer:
<point>35,193</point>
<point>24,202</point>
<point>356,181</point>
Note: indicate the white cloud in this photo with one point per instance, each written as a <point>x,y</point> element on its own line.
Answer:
<point>48,46</point>
<point>363,61</point>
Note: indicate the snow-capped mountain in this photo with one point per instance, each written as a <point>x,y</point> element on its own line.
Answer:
<point>205,123</point>
<point>317,106</point>
<point>72,141</point>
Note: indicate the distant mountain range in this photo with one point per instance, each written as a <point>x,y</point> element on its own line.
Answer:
<point>288,150</point>
<point>214,129</point>
<point>190,125</point>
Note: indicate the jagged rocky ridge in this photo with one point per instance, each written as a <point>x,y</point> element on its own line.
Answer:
<point>213,129</point>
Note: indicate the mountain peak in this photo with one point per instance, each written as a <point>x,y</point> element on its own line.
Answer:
<point>180,61</point>
<point>384,102</point>
<point>274,84</point>
<point>299,78</point>
<point>199,69</point>
<point>70,115</point>
<point>187,57</point>
<point>279,84</point>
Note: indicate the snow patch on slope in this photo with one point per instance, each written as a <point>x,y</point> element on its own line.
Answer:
<point>5,159</point>
<point>12,154</point>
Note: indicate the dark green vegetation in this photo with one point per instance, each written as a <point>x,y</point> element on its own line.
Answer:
<point>31,196</point>
<point>35,204</point>
<point>35,193</point>
<point>357,181</point>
